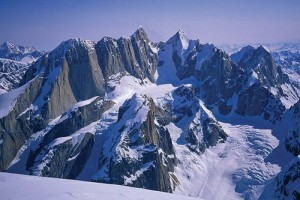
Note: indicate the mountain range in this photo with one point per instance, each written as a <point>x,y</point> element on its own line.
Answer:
<point>178,116</point>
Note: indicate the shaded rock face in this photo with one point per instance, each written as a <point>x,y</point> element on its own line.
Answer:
<point>70,74</point>
<point>64,159</point>
<point>261,62</point>
<point>263,85</point>
<point>143,155</point>
<point>60,145</point>
<point>220,78</point>
<point>292,137</point>
<point>203,130</point>
<point>134,55</point>
<point>257,100</point>
<point>17,127</point>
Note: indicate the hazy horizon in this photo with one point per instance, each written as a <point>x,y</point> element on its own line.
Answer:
<point>46,24</point>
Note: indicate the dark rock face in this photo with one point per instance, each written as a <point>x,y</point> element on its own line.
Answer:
<point>64,159</point>
<point>262,76</point>
<point>143,156</point>
<point>292,137</point>
<point>78,145</point>
<point>221,78</point>
<point>17,127</point>
<point>203,130</point>
<point>262,63</point>
<point>134,55</point>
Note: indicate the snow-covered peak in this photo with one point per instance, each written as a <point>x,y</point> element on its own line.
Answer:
<point>16,48</point>
<point>19,53</point>
<point>180,40</point>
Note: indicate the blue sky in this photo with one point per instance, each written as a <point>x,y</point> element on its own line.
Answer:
<point>45,23</point>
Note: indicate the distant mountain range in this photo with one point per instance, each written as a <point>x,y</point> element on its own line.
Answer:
<point>14,62</point>
<point>176,116</point>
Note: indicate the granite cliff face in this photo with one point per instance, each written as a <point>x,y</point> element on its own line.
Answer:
<point>138,152</point>
<point>67,75</point>
<point>134,55</point>
<point>127,111</point>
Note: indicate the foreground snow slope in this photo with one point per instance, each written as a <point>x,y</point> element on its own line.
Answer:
<point>13,186</point>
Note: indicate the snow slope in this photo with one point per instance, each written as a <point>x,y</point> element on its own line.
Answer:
<point>13,186</point>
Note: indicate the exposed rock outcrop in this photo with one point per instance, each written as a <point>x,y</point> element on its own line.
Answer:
<point>134,55</point>
<point>143,154</point>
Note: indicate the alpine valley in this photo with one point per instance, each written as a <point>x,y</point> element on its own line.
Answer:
<point>178,116</point>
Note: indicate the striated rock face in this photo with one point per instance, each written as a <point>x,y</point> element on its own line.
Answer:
<point>267,90</point>
<point>64,157</point>
<point>141,154</point>
<point>17,126</point>
<point>135,55</point>
<point>61,142</point>
<point>70,74</point>
<point>261,62</point>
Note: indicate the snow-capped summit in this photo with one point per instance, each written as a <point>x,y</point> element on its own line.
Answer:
<point>180,40</point>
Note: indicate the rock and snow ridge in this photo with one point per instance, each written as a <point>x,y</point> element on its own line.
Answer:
<point>14,62</point>
<point>19,53</point>
<point>119,111</point>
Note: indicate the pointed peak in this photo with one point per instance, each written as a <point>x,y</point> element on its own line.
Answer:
<point>139,32</point>
<point>140,29</point>
<point>264,48</point>
<point>180,39</point>
<point>180,32</point>
<point>180,35</point>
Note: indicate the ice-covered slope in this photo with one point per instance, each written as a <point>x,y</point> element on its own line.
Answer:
<point>13,186</point>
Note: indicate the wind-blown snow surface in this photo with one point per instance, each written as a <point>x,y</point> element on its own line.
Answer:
<point>13,186</point>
